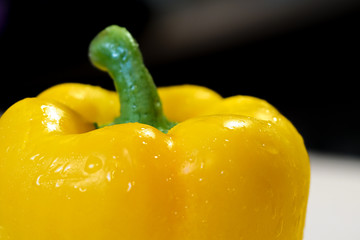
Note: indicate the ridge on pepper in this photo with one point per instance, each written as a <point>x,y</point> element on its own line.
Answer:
<point>178,162</point>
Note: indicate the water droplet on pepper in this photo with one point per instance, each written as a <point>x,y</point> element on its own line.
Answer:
<point>93,164</point>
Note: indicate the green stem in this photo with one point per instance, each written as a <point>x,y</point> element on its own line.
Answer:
<point>115,51</point>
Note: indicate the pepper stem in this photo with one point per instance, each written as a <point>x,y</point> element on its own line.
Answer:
<point>115,51</point>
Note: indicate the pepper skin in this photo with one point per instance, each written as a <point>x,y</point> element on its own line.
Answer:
<point>231,168</point>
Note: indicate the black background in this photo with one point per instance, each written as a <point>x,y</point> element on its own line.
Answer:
<point>310,72</point>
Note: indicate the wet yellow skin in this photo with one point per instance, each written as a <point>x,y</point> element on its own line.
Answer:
<point>231,168</point>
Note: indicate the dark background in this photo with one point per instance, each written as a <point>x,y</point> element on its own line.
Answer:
<point>301,56</point>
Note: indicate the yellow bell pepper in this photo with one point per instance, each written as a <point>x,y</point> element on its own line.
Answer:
<point>231,168</point>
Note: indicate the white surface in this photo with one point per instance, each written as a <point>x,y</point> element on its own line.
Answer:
<point>334,203</point>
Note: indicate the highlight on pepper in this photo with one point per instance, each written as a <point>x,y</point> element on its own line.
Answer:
<point>174,163</point>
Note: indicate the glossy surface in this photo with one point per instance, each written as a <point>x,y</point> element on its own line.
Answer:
<point>235,170</point>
